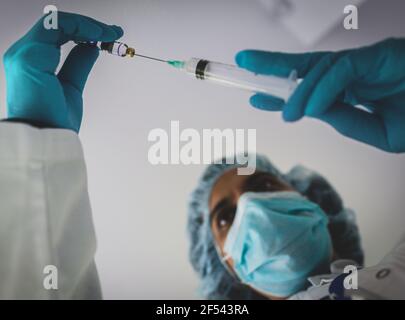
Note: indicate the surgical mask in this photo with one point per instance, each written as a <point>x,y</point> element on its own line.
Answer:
<point>277,240</point>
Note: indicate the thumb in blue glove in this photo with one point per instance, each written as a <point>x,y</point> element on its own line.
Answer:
<point>334,83</point>
<point>34,91</point>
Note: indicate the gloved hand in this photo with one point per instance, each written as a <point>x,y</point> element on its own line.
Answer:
<point>335,82</point>
<point>34,92</point>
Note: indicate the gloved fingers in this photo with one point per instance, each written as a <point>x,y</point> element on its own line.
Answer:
<point>81,28</point>
<point>332,84</point>
<point>73,27</point>
<point>78,65</point>
<point>80,61</point>
<point>278,63</point>
<point>357,124</point>
<point>296,105</point>
<point>266,102</point>
<point>118,30</point>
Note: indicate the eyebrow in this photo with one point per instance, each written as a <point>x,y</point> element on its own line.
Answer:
<point>246,184</point>
<point>225,202</point>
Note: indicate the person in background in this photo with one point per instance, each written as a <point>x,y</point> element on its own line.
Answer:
<point>262,236</point>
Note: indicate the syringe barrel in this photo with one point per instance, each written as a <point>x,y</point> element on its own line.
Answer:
<point>234,76</point>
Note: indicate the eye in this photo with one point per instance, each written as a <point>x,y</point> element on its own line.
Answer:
<point>225,218</point>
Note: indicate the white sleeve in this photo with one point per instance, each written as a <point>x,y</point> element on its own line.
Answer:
<point>385,280</point>
<point>45,216</point>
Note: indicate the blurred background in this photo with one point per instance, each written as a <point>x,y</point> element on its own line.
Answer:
<point>139,210</point>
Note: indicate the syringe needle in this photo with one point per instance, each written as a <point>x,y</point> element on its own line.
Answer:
<point>151,58</point>
<point>174,63</point>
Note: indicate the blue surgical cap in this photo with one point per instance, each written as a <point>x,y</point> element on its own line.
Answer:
<point>216,282</point>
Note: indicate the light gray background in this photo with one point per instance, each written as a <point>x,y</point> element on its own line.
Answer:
<point>140,210</point>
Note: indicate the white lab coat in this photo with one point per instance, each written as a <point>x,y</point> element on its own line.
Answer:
<point>45,216</point>
<point>386,280</point>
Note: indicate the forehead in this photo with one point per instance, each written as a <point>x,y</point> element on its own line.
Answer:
<point>227,185</point>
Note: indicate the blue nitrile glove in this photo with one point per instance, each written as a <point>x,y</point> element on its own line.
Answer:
<point>34,92</point>
<point>334,82</point>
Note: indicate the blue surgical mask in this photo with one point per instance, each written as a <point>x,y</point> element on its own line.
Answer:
<point>277,240</point>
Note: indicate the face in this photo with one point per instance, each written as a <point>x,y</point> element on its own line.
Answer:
<point>224,199</point>
<point>225,195</point>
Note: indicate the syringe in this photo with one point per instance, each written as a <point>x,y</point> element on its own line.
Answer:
<point>225,74</point>
<point>234,76</point>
